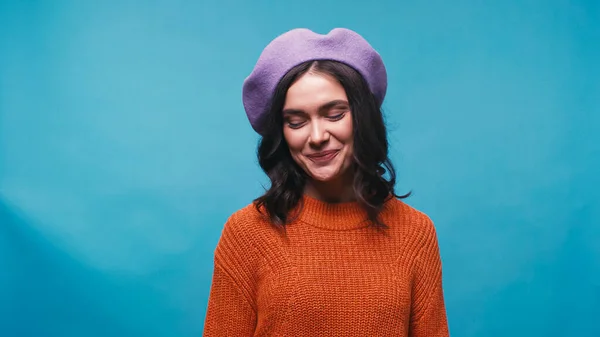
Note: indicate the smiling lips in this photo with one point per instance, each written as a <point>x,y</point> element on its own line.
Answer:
<point>324,156</point>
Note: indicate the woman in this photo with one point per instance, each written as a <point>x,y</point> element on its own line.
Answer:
<point>329,249</point>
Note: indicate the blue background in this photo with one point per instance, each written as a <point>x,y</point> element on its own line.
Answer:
<point>124,148</point>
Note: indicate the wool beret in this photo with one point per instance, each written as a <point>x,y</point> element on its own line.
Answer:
<point>300,45</point>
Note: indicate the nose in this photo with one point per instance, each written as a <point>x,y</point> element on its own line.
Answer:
<point>319,135</point>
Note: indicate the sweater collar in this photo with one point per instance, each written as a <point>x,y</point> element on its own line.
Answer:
<point>332,216</point>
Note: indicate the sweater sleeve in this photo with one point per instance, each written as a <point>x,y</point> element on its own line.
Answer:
<point>229,313</point>
<point>231,309</point>
<point>428,312</point>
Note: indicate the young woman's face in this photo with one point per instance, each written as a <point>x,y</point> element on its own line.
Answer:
<point>317,125</point>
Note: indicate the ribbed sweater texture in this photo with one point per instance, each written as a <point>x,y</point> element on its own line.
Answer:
<point>329,274</point>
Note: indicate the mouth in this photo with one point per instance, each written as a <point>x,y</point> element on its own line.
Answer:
<point>323,156</point>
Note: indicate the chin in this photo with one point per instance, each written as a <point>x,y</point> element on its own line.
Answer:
<point>325,176</point>
<point>322,179</point>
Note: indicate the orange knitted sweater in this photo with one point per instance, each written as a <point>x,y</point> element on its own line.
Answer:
<point>329,274</point>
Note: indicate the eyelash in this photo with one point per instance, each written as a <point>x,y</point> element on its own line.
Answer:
<point>334,118</point>
<point>337,117</point>
<point>295,125</point>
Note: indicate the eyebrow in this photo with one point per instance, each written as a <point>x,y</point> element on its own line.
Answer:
<point>322,108</point>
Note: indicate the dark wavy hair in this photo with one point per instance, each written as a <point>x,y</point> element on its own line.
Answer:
<point>370,163</point>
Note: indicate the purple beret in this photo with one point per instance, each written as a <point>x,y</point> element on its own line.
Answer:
<point>300,45</point>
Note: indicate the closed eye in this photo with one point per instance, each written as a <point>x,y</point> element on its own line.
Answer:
<point>337,117</point>
<point>295,125</point>
<point>338,112</point>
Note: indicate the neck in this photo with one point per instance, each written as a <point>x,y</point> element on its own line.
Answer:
<point>337,191</point>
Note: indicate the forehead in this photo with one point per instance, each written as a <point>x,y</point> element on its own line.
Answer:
<point>312,90</point>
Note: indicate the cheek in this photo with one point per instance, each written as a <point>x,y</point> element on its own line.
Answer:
<point>295,141</point>
<point>344,132</point>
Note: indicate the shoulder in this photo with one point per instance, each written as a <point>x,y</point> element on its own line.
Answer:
<point>411,223</point>
<point>245,218</point>
<point>245,233</point>
<point>397,209</point>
